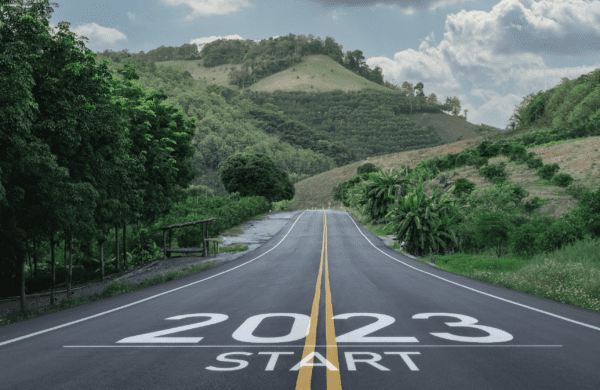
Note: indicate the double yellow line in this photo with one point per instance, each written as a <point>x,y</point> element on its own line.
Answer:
<point>305,373</point>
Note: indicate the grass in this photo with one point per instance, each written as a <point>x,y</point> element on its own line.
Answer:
<point>120,287</point>
<point>569,275</point>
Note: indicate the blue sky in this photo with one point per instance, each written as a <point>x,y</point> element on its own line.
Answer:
<point>489,54</point>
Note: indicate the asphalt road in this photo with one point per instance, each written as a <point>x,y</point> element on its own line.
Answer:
<point>324,304</point>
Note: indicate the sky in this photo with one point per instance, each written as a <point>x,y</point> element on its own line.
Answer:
<point>490,54</point>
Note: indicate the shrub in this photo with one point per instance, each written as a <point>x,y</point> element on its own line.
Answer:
<point>521,238</point>
<point>577,190</point>
<point>494,171</point>
<point>463,186</point>
<point>367,168</point>
<point>531,205</point>
<point>547,171</point>
<point>560,233</point>
<point>234,196</point>
<point>535,163</point>
<point>487,149</point>
<point>588,212</point>
<point>562,180</point>
<point>478,162</point>
<point>517,152</point>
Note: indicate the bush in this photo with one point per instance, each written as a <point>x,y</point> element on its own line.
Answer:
<point>547,171</point>
<point>463,186</point>
<point>560,233</point>
<point>493,171</point>
<point>478,162</point>
<point>535,163</point>
<point>531,205</point>
<point>367,168</point>
<point>517,152</point>
<point>577,190</point>
<point>588,212</point>
<point>562,180</point>
<point>487,149</point>
<point>521,239</point>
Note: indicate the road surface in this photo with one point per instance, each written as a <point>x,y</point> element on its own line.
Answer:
<point>324,304</point>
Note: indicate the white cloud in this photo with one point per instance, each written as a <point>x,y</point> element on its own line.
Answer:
<point>205,8</point>
<point>98,35</point>
<point>499,48</point>
<point>202,41</point>
<point>130,15</point>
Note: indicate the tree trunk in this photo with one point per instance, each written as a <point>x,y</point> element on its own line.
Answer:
<point>65,254</point>
<point>29,260</point>
<point>53,268</point>
<point>101,244</point>
<point>35,258</point>
<point>117,241</point>
<point>70,267</point>
<point>23,285</point>
<point>125,245</point>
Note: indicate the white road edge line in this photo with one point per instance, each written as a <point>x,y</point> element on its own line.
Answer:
<point>472,289</point>
<point>152,297</point>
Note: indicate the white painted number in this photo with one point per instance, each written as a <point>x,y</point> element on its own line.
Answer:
<point>358,335</point>
<point>301,325</point>
<point>299,330</point>
<point>495,335</point>
<point>153,338</point>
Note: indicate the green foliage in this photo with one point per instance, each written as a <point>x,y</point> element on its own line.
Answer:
<point>521,240</point>
<point>492,230</point>
<point>562,180</point>
<point>535,163</point>
<point>532,204</point>
<point>493,171</point>
<point>367,168</point>
<point>488,149</point>
<point>420,221</point>
<point>557,235</point>
<point>255,174</point>
<point>577,190</point>
<point>547,171</point>
<point>463,186</point>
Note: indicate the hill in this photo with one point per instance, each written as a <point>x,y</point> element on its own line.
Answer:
<point>362,122</point>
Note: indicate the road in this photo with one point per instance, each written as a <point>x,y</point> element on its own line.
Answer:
<point>324,304</point>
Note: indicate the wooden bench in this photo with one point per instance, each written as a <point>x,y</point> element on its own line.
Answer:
<point>205,240</point>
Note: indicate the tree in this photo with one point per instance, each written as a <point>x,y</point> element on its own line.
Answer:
<point>42,193</point>
<point>493,230</point>
<point>253,174</point>
<point>408,89</point>
<point>432,100</point>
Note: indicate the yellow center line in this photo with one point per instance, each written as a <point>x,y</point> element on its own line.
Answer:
<point>305,372</point>
<point>334,381</point>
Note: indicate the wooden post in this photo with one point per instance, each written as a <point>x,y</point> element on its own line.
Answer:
<point>204,252</point>
<point>170,241</point>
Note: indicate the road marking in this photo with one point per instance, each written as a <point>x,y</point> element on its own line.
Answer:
<point>303,346</point>
<point>305,372</point>
<point>146,299</point>
<point>472,289</point>
<point>334,381</point>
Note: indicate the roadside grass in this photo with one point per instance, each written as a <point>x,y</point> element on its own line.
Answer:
<point>121,287</point>
<point>569,275</point>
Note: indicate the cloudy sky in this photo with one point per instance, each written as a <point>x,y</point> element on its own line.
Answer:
<point>489,54</point>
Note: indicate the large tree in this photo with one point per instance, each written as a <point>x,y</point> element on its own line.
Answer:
<point>255,174</point>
